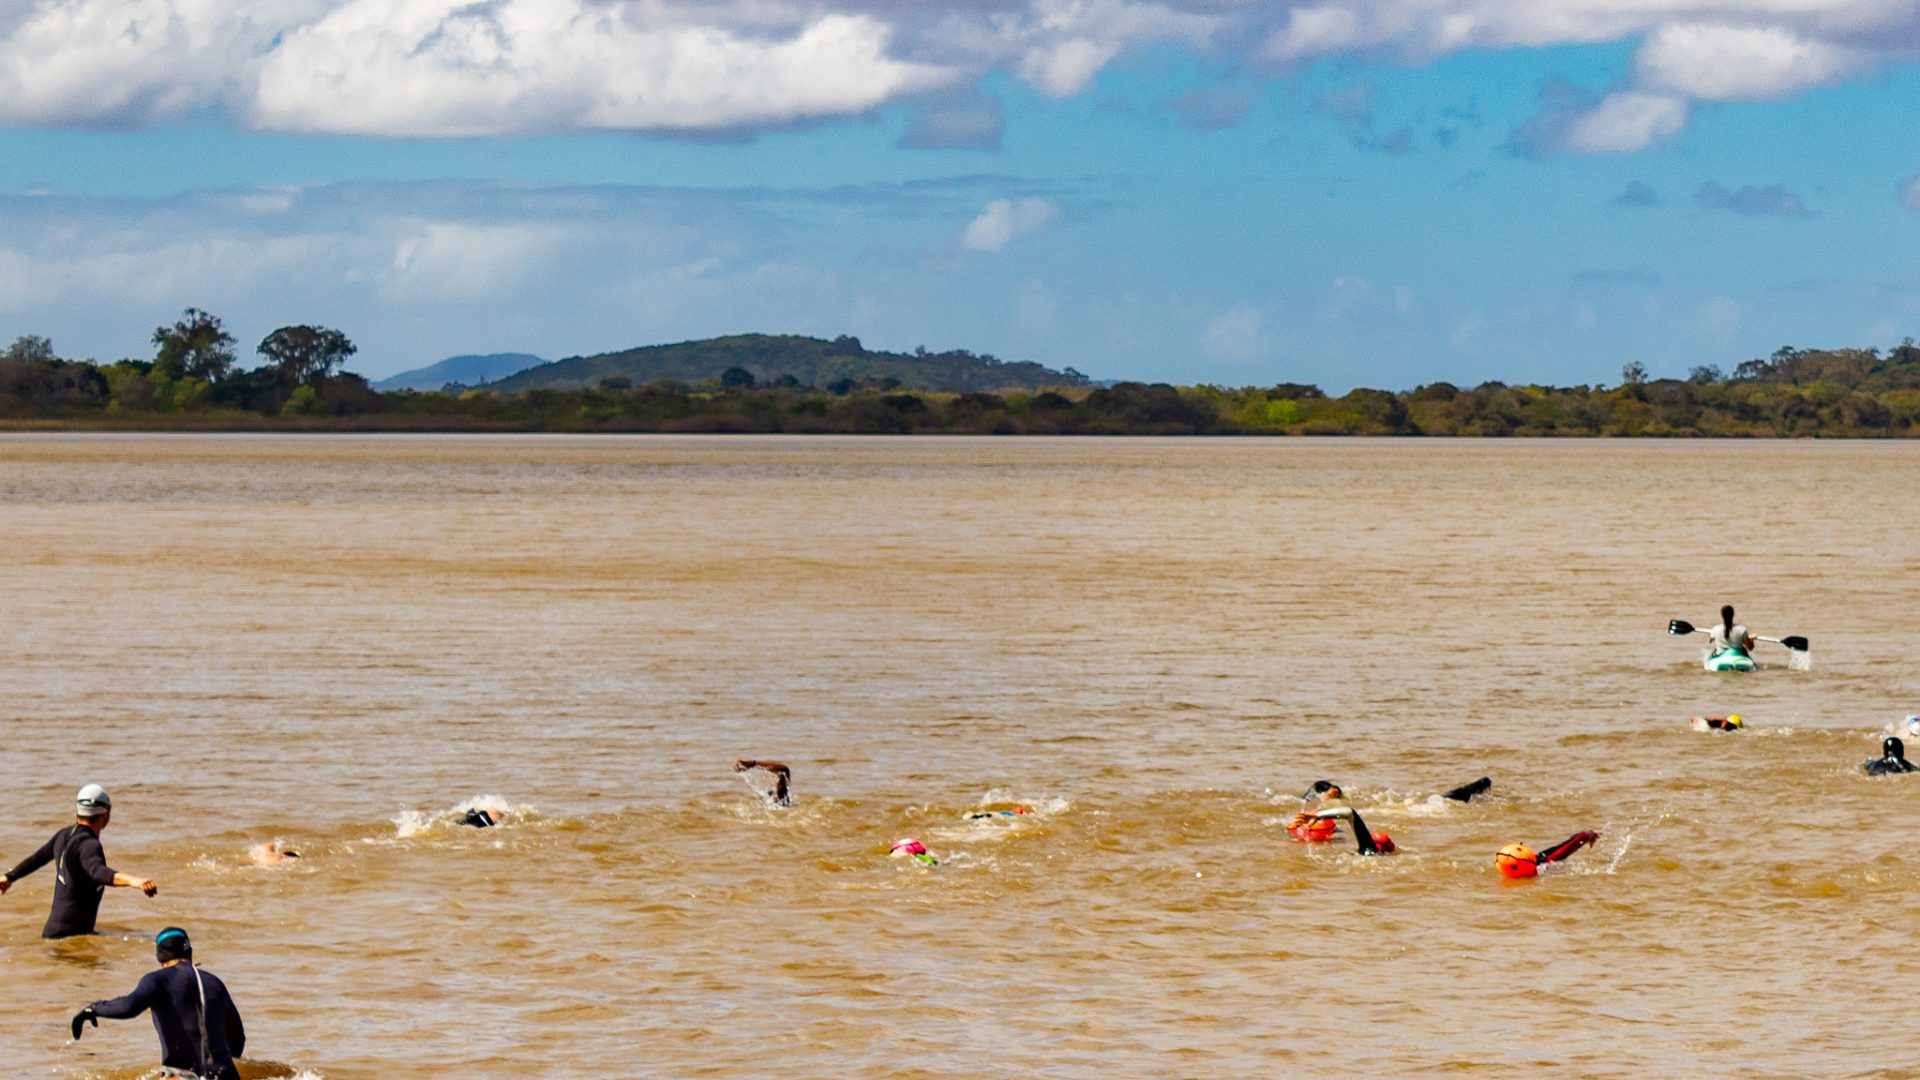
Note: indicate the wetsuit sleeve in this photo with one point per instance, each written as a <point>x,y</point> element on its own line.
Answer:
<point>132,1005</point>
<point>93,860</point>
<point>1365,836</point>
<point>34,861</point>
<point>1568,846</point>
<point>236,1035</point>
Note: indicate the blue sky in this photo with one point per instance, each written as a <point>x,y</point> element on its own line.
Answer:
<point>1347,192</point>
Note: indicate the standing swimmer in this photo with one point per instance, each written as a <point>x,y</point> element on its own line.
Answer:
<point>1892,759</point>
<point>200,1030</point>
<point>80,872</point>
<point>781,777</point>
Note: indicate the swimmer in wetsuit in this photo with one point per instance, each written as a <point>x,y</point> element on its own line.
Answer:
<point>1719,723</point>
<point>200,1030</point>
<point>482,819</point>
<point>782,776</point>
<point>1521,861</point>
<point>1327,791</point>
<point>1892,760</point>
<point>80,872</point>
<point>1369,843</point>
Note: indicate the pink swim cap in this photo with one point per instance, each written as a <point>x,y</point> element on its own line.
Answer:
<point>909,846</point>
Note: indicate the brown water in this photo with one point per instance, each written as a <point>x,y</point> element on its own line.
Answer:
<point>1157,644</point>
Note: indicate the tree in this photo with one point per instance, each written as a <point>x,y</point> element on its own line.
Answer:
<point>303,355</point>
<point>1633,374</point>
<point>1705,373</point>
<point>29,349</point>
<point>195,347</point>
<point>736,376</point>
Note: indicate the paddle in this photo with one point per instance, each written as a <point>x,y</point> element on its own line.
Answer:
<point>1681,628</point>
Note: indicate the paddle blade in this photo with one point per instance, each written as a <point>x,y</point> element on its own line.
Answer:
<point>1679,627</point>
<point>1796,643</point>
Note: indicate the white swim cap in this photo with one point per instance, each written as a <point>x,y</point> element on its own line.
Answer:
<point>92,801</point>
<point>1913,725</point>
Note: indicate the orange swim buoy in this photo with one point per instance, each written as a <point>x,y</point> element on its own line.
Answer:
<point>1517,861</point>
<point>1319,830</point>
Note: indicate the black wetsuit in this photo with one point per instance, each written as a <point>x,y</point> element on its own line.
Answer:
<point>174,999</point>
<point>1887,766</point>
<point>81,877</point>
<point>479,819</point>
<point>1466,792</point>
<point>1566,847</point>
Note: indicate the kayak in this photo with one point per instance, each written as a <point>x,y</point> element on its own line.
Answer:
<point>1729,660</point>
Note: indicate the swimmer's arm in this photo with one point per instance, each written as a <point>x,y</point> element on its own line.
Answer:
<point>145,885</point>
<point>27,866</point>
<point>132,1005</point>
<point>94,862</point>
<point>1360,832</point>
<point>1568,846</point>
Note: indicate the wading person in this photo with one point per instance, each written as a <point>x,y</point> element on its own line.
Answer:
<point>200,1031</point>
<point>80,872</point>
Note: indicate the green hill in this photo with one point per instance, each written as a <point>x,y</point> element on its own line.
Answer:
<point>837,364</point>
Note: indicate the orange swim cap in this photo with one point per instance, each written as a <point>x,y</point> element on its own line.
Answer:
<point>1517,861</point>
<point>1383,842</point>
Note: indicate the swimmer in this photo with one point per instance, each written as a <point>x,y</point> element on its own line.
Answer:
<point>483,819</point>
<point>1521,861</point>
<point>1015,812</point>
<point>80,872</point>
<point>200,1030</point>
<point>914,850</point>
<point>1327,791</point>
<point>1369,842</point>
<point>1892,759</point>
<point>1719,723</point>
<point>272,853</point>
<point>782,775</point>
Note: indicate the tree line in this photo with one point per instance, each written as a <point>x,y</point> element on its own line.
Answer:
<point>194,380</point>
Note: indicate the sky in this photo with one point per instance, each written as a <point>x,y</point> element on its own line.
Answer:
<point>1345,192</point>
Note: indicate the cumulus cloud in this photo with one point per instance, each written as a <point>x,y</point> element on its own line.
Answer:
<point>1004,219</point>
<point>490,67</point>
<point>1770,200</point>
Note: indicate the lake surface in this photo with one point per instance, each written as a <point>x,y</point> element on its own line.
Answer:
<point>1156,644</point>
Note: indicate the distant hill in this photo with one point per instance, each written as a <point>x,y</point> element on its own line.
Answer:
<point>807,361</point>
<point>467,370</point>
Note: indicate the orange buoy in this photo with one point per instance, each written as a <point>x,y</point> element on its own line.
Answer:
<point>1316,831</point>
<point>1517,861</point>
<point>1383,842</point>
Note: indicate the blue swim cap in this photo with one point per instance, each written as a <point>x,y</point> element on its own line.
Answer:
<point>172,944</point>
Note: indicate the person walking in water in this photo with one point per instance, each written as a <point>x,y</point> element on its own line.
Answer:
<point>1892,760</point>
<point>80,872</point>
<point>782,776</point>
<point>200,1030</point>
<point>1730,635</point>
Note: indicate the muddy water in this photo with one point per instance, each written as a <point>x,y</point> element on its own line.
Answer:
<point>1154,644</point>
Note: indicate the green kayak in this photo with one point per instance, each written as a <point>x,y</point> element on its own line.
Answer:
<point>1729,660</point>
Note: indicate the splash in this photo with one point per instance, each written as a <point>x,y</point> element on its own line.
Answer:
<point>412,823</point>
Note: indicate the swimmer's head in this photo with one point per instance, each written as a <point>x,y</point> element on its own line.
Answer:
<point>1734,721</point>
<point>1383,842</point>
<point>92,802</point>
<point>172,944</point>
<point>908,846</point>
<point>1323,790</point>
<point>1517,861</point>
<point>1892,747</point>
<point>1913,726</point>
<point>1023,809</point>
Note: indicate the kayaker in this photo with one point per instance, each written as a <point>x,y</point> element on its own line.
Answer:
<point>782,776</point>
<point>1730,635</point>
<point>1892,759</point>
<point>81,875</point>
<point>200,1030</point>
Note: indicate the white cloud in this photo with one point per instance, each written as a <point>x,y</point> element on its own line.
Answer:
<point>1004,219</point>
<point>1238,333</point>
<point>1910,194</point>
<point>488,67</point>
<point>1733,63</point>
<point>1626,122</point>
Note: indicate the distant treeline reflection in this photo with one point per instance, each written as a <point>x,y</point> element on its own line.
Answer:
<point>193,382</point>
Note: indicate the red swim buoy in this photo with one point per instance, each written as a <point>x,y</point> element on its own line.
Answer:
<point>1517,861</point>
<point>1319,830</point>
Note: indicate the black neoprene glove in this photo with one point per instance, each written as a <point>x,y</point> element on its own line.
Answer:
<point>84,1016</point>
